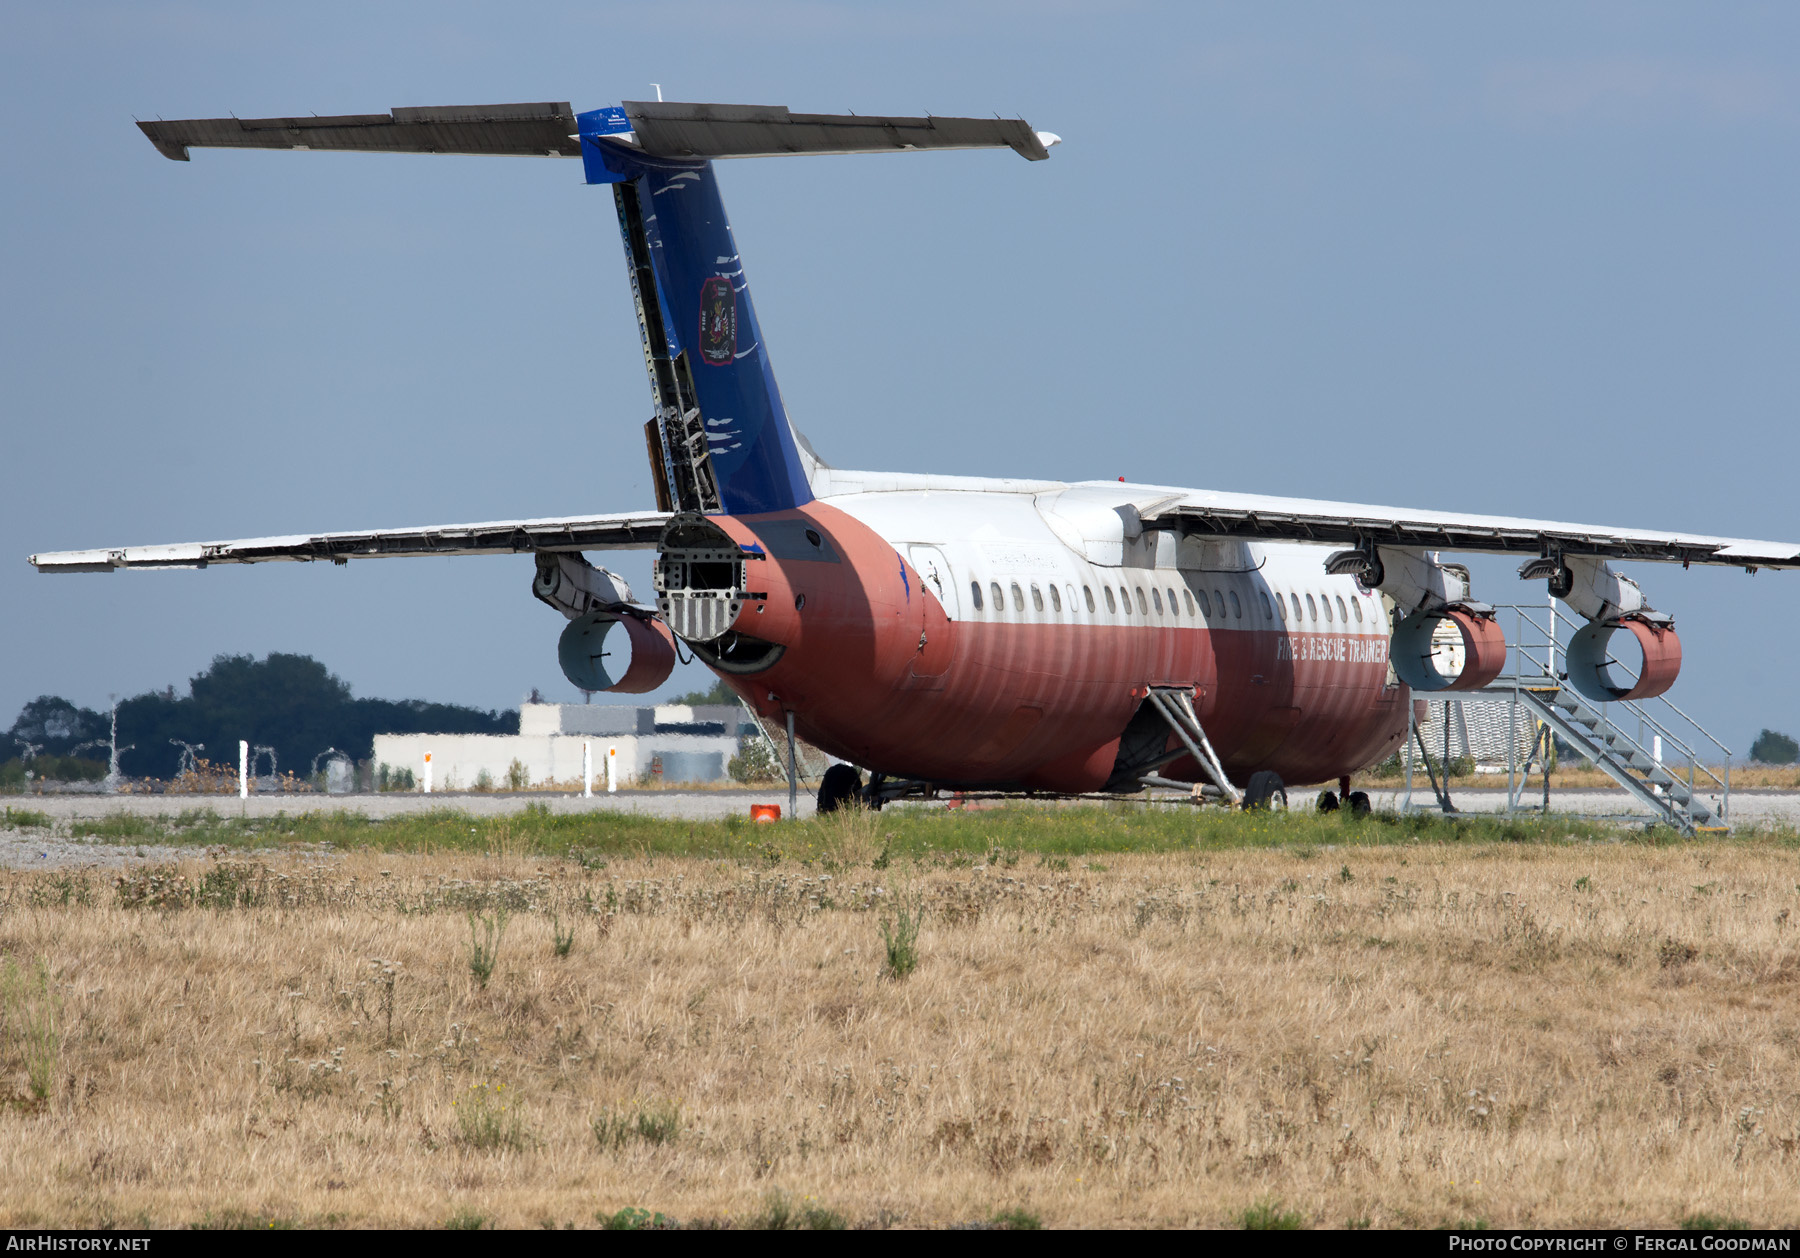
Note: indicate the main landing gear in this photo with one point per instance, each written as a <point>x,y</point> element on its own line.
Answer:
<point>841,785</point>
<point>1265,790</point>
<point>1356,801</point>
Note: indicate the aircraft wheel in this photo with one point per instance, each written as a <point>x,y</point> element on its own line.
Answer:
<point>1265,791</point>
<point>1328,801</point>
<point>841,785</point>
<point>1359,803</point>
<point>872,798</point>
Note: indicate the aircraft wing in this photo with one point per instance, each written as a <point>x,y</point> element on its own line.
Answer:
<point>1255,516</point>
<point>630,530</point>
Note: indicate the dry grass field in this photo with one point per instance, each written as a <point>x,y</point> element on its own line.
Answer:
<point>1409,1035</point>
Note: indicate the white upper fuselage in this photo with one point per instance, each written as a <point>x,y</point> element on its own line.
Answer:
<point>1057,552</point>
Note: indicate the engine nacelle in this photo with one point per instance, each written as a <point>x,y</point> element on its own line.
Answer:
<point>575,587</point>
<point>1588,585</point>
<point>1414,579</point>
<point>1597,673</point>
<point>589,664</point>
<point>1448,648</point>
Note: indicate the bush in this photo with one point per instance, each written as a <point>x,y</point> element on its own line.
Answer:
<point>486,1118</point>
<point>754,764</point>
<point>1268,1216</point>
<point>1773,748</point>
<point>634,1219</point>
<point>658,1122</point>
<point>29,1007</point>
<point>901,935</point>
<point>485,931</point>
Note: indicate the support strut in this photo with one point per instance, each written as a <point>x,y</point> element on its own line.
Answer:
<point>1177,708</point>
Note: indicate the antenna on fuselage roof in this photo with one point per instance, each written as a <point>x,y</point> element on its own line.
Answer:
<point>658,87</point>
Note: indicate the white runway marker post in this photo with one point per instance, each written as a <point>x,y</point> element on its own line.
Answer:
<point>428,773</point>
<point>587,770</point>
<point>612,777</point>
<point>243,769</point>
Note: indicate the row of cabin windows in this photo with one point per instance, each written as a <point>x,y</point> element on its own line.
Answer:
<point>1312,609</point>
<point>1174,606</point>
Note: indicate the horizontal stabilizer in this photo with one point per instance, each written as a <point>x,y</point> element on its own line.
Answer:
<point>550,129</point>
<point>541,130</point>
<point>631,530</point>
<point>673,129</point>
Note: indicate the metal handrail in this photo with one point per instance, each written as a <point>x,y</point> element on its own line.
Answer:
<point>1523,650</point>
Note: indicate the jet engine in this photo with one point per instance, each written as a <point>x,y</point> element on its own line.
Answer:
<point>590,664</point>
<point>1448,648</point>
<point>1444,639</point>
<point>1611,602</point>
<point>596,602</point>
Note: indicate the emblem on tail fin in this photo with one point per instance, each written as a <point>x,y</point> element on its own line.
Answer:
<point>718,322</point>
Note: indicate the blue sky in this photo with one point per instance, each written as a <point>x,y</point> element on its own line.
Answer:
<point>1537,259</point>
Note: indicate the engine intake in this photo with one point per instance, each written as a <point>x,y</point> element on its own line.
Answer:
<point>1448,648</point>
<point>1596,673</point>
<point>590,665</point>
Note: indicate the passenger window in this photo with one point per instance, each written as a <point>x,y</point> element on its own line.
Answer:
<point>1267,613</point>
<point>1219,600</point>
<point>1143,604</point>
<point>1018,598</point>
<point>1111,606</point>
<point>975,593</point>
<point>1205,605</point>
<point>1174,607</point>
<point>1281,607</point>
<point>1356,606</point>
<point>1037,598</point>
<point>1295,599</point>
<point>1312,609</point>
<point>1158,597</point>
<point>1343,615</point>
<point>1125,599</point>
<point>999,598</point>
<point>1190,603</point>
<point>1055,600</point>
<point>1325,600</point>
<point>1088,592</point>
<point>1237,608</point>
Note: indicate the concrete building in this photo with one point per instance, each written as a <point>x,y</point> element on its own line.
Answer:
<point>671,743</point>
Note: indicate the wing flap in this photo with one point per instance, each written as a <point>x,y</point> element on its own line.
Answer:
<point>632,530</point>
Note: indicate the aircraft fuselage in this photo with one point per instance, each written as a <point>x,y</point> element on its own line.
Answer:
<point>1007,639</point>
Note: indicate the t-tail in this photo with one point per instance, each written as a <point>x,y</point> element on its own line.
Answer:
<point>720,439</point>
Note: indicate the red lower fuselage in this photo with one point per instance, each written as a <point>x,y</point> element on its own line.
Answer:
<point>886,661</point>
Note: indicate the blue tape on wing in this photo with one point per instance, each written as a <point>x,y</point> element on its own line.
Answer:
<point>604,160</point>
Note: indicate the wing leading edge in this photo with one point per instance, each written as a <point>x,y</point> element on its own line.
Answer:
<point>630,530</point>
<point>1254,516</point>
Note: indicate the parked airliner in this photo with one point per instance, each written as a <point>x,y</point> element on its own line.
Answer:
<point>948,632</point>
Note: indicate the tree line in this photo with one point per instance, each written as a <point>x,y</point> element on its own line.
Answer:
<point>291,703</point>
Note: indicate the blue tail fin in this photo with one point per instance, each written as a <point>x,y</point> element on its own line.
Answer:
<point>725,440</point>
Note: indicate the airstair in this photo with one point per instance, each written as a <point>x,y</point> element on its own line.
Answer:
<point>1657,753</point>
